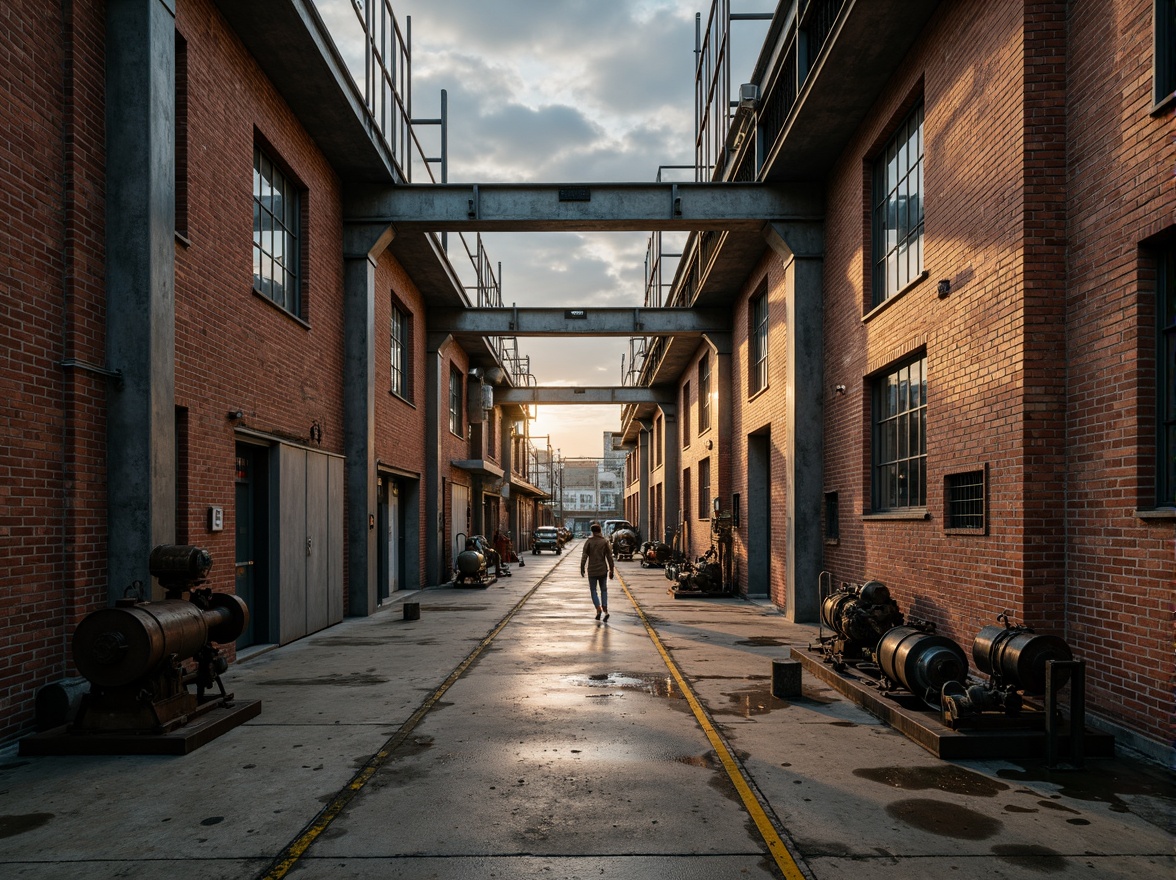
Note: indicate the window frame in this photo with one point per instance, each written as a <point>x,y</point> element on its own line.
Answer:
<point>1164,58</point>
<point>758,336</point>
<point>704,490</point>
<point>292,224</point>
<point>456,422</point>
<point>704,408</point>
<point>885,500</point>
<point>400,342</point>
<point>1166,377</point>
<point>883,195</point>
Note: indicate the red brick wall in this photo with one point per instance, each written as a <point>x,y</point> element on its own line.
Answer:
<point>52,482</point>
<point>1120,163</point>
<point>234,348</point>
<point>400,423</point>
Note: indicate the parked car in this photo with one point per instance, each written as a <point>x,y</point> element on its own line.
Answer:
<point>546,538</point>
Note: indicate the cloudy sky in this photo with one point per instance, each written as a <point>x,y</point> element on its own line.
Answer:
<point>560,91</point>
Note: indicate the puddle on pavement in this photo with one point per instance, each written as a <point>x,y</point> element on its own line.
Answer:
<point>1031,856</point>
<point>10,826</point>
<point>359,679</point>
<point>651,683</point>
<point>707,762</point>
<point>1124,788</point>
<point>947,778</point>
<point>944,819</point>
<point>749,702</point>
<point>763,642</point>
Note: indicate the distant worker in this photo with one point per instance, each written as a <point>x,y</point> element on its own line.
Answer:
<point>597,563</point>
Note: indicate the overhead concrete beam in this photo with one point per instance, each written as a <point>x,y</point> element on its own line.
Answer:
<point>656,394</point>
<point>550,207</point>
<point>580,322</point>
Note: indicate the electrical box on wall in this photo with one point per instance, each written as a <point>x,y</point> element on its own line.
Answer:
<point>216,519</point>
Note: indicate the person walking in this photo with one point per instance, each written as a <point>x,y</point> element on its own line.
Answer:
<point>596,562</point>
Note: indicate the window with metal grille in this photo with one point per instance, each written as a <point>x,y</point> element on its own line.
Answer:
<point>759,343</point>
<point>898,210</point>
<point>704,489</point>
<point>704,410</point>
<point>964,503</point>
<point>455,421</point>
<point>1165,57</point>
<point>398,349</point>
<point>276,224</point>
<point>900,437</point>
<point>1166,380</point>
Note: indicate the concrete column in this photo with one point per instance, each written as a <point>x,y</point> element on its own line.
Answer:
<point>721,344</point>
<point>671,469</point>
<point>140,285</point>
<point>802,247</point>
<point>436,409</point>
<point>362,246</point>
<point>644,463</point>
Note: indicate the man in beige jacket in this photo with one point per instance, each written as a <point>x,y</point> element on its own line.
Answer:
<point>597,563</point>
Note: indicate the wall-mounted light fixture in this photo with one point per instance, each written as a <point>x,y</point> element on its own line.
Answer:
<point>316,432</point>
<point>944,287</point>
<point>234,415</point>
<point>840,389</point>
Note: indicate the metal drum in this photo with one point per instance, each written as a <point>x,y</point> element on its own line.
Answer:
<point>921,662</point>
<point>117,646</point>
<point>1017,656</point>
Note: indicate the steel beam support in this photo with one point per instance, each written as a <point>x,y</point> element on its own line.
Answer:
<point>634,207</point>
<point>801,247</point>
<point>362,246</point>
<point>140,285</point>
<point>580,322</point>
<point>561,395</point>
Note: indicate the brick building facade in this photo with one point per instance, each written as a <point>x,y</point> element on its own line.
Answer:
<point>966,360</point>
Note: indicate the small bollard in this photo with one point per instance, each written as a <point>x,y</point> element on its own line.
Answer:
<point>786,679</point>
<point>412,610</point>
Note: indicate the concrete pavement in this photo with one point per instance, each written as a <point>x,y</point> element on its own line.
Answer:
<point>552,745</point>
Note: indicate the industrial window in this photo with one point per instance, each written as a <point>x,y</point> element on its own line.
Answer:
<point>759,343</point>
<point>399,326</point>
<point>687,490</point>
<point>704,409</point>
<point>1165,57</point>
<point>686,415</point>
<point>898,210</point>
<point>704,489</point>
<point>455,401</point>
<point>276,222</point>
<point>1166,379</point>
<point>964,501</point>
<point>900,438</point>
<point>832,518</point>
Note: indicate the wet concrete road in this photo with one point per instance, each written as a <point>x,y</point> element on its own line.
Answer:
<point>508,734</point>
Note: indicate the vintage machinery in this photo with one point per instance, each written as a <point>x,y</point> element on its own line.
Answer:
<point>1014,658</point>
<point>914,657</point>
<point>477,564</point>
<point>702,577</point>
<point>859,615</point>
<point>624,544</point>
<point>134,654</point>
<point>656,554</point>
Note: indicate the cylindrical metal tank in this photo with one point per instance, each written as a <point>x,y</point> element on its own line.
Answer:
<point>921,662</point>
<point>116,646</point>
<point>1017,656</point>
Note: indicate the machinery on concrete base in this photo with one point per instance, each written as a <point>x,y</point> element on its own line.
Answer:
<point>133,654</point>
<point>477,565</point>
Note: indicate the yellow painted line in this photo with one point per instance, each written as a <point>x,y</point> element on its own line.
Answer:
<point>288,858</point>
<point>751,802</point>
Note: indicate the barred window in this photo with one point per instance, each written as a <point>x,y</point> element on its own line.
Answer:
<point>455,421</point>
<point>398,350</point>
<point>704,409</point>
<point>276,226</point>
<point>964,501</point>
<point>759,343</point>
<point>898,210</point>
<point>1166,380</point>
<point>900,437</point>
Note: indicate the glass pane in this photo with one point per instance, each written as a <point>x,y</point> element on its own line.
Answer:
<point>903,498</point>
<point>903,436</point>
<point>923,431</point>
